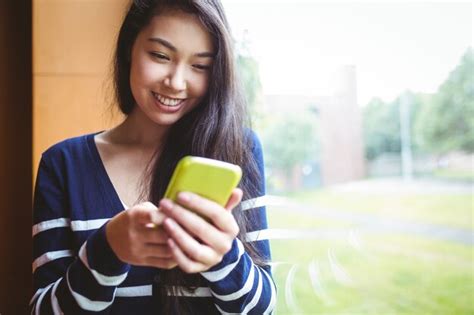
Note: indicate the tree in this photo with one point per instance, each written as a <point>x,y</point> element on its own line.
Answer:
<point>247,67</point>
<point>447,123</point>
<point>381,128</point>
<point>382,124</point>
<point>290,140</point>
<point>249,74</point>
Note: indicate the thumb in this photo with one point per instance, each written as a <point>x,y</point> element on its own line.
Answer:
<point>148,214</point>
<point>234,199</point>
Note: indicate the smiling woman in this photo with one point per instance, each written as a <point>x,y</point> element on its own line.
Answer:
<point>169,73</point>
<point>105,239</point>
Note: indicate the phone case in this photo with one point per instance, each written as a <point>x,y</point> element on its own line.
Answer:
<point>208,178</point>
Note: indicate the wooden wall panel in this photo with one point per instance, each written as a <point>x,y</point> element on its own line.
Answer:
<point>73,44</point>
<point>66,106</point>
<point>75,36</point>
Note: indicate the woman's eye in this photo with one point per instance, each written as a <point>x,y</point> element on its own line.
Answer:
<point>159,56</point>
<point>202,67</point>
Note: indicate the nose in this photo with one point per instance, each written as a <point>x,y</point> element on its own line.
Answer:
<point>176,78</point>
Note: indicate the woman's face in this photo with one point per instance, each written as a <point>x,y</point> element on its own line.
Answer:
<point>171,62</point>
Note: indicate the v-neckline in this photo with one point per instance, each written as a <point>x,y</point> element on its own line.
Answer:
<point>104,176</point>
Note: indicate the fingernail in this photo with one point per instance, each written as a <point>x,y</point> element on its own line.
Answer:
<point>157,217</point>
<point>184,196</point>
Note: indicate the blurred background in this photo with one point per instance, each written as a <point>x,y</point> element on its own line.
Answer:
<point>366,115</point>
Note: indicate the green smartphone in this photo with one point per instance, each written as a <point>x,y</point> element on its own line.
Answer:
<point>208,178</point>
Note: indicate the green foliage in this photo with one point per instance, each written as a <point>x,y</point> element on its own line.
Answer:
<point>290,140</point>
<point>447,124</point>
<point>440,123</point>
<point>381,128</point>
<point>382,124</point>
<point>248,69</point>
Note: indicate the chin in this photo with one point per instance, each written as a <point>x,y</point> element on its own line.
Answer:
<point>165,122</point>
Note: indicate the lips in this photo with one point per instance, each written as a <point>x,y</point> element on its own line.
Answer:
<point>168,105</point>
<point>167,101</point>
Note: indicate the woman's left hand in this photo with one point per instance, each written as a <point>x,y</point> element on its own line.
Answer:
<point>185,226</point>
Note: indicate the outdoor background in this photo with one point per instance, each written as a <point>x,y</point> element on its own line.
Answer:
<point>366,114</point>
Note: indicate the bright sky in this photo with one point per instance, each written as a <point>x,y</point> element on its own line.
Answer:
<point>395,45</point>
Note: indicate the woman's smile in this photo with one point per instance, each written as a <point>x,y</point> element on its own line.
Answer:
<point>167,104</point>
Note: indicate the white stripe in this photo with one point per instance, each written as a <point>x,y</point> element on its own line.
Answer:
<point>246,310</point>
<point>101,279</point>
<point>259,235</point>
<point>244,290</point>
<point>85,303</point>
<point>50,224</point>
<point>217,275</point>
<point>283,234</point>
<point>255,298</point>
<point>54,300</point>
<point>76,225</point>
<point>41,297</point>
<point>38,292</point>
<point>199,292</point>
<point>87,225</point>
<point>147,290</point>
<point>142,290</point>
<point>254,203</point>
<point>50,256</point>
<point>271,305</point>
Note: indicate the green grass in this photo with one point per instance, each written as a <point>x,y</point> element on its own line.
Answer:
<point>282,219</point>
<point>388,273</point>
<point>450,210</point>
<point>452,174</point>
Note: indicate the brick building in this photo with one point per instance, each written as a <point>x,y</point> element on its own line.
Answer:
<point>339,122</point>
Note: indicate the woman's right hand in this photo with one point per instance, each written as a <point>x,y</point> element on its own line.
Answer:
<point>137,237</point>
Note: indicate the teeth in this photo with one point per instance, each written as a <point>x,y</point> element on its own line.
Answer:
<point>167,101</point>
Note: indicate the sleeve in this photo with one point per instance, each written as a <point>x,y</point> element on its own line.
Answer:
<point>67,281</point>
<point>237,284</point>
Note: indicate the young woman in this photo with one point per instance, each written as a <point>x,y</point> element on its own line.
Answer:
<point>105,240</point>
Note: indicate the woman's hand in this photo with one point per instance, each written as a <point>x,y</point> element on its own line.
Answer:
<point>137,237</point>
<point>185,227</point>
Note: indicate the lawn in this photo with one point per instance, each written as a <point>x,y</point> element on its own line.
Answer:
<point>450,210</point>
<point>358,272</point>
<point>450,174</point>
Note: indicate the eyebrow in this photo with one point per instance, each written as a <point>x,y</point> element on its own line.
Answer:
<point>170,46</point>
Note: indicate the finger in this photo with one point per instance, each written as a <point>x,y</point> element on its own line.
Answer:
<point>146,214</point>
<point>153,235</point>
<point>192,248</point>
<point>196,225</point>
<point>186,264</point>
<point>157,251</point>
<point>234,199</point>
<point>222,219</point>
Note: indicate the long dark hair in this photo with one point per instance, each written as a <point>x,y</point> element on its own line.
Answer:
<point>217,128</point>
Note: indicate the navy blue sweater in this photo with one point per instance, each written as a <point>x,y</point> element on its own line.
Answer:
<point>76,272</point>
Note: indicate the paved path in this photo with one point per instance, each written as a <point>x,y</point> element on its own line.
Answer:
<point>364,222</point>
<point>400,186</point>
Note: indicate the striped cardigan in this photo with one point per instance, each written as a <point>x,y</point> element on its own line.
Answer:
<point>76,272</point>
